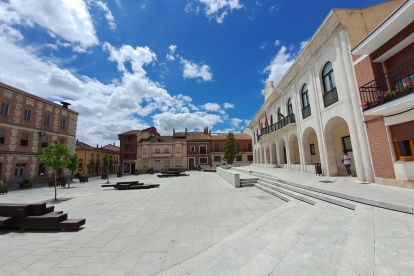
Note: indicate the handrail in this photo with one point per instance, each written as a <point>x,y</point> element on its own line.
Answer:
<point>289,119</point>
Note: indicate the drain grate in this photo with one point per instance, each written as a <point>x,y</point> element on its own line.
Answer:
<point>327,181</point>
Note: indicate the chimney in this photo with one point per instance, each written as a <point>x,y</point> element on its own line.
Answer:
<point>97,146</point>
<point>77,140</point>
<point>209,133</point>
<point>65,105</point>
<point>114,143</point>
<point>185,131</point>
<point>173,131</point>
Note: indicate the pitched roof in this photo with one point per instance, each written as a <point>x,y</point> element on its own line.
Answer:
<point>84,146</point>
<point>237,136</point>
<point>130,132</point>
<point>197,136</point>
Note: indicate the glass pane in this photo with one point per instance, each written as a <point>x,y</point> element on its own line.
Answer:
<point>326,84</point>
<point>328,67</point>
<point>333,80</point>
<point>347,143</point>
<point>305,87</point>
<point>405,148</point>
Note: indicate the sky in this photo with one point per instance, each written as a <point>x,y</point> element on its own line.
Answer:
<point>133,64</point>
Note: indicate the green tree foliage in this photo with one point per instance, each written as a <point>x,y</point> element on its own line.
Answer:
<point>55,157</point>
<point>230,150</point>
<point>72,164</point>
<point>106,165</point>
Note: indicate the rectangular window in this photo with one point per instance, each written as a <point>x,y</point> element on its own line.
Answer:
<point>192,149</point>
<point>346,142</point>
<point>24,142</point>
<point>63,124</point>
<point>249,147</point>
<point>27,115</point>
<point>128,147</point>
<point>312,149</point>
<point>239,158</point>
<point>144,151</point>
<point>157,151</point>
<point>45,141</point>
<point>238,147</point>
<point>217,158</point>
<point>42,169</point>
<point>47,119</point>
<point>203,160</point>
<point>5,109</point>
<point>2,136</point>
<point>178,163</point>
<point>250,158</point>
<point>166,150</point>
<point>62,140</point>
<point>216,147</point>
<point>166,163</point>
<point>403,138</point>
<point>203,149</point>
<point>1,167</point>
<point>145,164</point>
<point>178,150</point>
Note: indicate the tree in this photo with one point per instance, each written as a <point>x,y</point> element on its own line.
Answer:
<point>229,148</point>
<point>106,165</point>
<point>55,157</point>
<point>72,165</point>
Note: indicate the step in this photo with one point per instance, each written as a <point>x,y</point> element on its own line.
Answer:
<point>71,224</point>
<point>4,220</point>
<point>292,194</point>
<point>53,217</point>
<point>324,197</point>
<point>247,184</point>
<point>272,192</point>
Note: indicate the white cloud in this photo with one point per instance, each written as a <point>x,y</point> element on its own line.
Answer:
<point>167,120</point>
<point>274,8</point>
<point>69,19</point>
<point>78,49</point>
<point>279,65</point>
<point>228,105</point>
<point>51,46</point>
<point>235,122</point>
<point>211,107</point>
<point>192,70</point>
<point>263,46</point>
<point>170,57</point>
<point>217,9</point>
<point>172,49</point>
<point>189,8</point>
<point>143,6</point>
<point>10,33</point>
<point>104,7</point>
<point>277,42</point>
<point>303,45</point>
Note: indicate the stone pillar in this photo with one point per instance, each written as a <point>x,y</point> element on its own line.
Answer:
<point>355,99</point>
<point>318,125</point>
<point>356,149</point>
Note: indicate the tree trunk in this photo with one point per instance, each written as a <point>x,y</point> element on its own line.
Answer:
<point>107,176</point>
<point>55,187</point>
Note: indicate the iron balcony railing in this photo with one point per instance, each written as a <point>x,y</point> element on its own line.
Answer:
<point>330,97</point>
<point>392,85</point>
<point>306,111</point>
<point>289,119</point>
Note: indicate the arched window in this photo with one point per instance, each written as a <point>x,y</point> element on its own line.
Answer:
<point>329,85</point>
<point>306,111</point>
<point>271,119</point>
<point>279,115</point>
<point>289,106</point>
<point>328,78</point>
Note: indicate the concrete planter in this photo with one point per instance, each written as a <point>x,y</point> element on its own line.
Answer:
<point>4,190</point>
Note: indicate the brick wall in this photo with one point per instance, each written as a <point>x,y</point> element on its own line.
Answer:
<point>365,72</point>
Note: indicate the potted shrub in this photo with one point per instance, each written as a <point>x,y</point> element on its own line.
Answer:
<point>83,178</point>
<point>119,174</point>
<point>199,167</point>
<point>151,170</point>
<point>104,176</point>
<point>136,171</point>
<point>3,188</point>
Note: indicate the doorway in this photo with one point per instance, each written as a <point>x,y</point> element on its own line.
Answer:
<point>157,165</point>
<point>132,168</point>
<point>19,173</point>
<point>191,163</point>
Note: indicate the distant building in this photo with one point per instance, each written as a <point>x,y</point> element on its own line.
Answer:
<point>27,125</point>
<point>243,146</point>
<point>91,159</point>
<point>384,66</point>
<point>116,164</point>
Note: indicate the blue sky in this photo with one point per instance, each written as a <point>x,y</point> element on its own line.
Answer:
<point>133,64</point>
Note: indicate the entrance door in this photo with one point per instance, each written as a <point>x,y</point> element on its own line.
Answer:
<point>132,168</point>
<point>157,165</point>
<point>284,154</point>
<point>19,173</point>
<point>191,162</point>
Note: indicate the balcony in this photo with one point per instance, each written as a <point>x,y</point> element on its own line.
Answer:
<point>391,86</point>
<point>92,162</point>
<point>306,112</point>
<point>289,119</point>
<point>330,97</point>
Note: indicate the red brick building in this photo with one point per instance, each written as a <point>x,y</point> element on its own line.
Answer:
<point>244,148</point>
<point>384,69</point>
<point>28,124</point>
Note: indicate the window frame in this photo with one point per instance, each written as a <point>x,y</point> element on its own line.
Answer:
<point>3,131</point>
<point>306,94</point>
<point>157,151</point>
<point>27,115</point>
<point>166,150</point>
<point>214,158</point>
<point>192,148</point>
<point>3,108</point>
<point>28,139</point>
<point>178,150</point>
<point>204,146</point>
<point>217,147</point>
<point>203,158</point>
<point>42,169</point>
<point>48,118</point>
<point>63,123</point>
<point>239,157</point>
<point>398,153</point>
<point>343,143</point>
<point>178,165</point>
<point>290,106</point>
<point>144,151</point>
<point>238,147</point>
<point>165,163</point>
<point>329,74</point>
<point>312,149</point>
<point>45,137</point>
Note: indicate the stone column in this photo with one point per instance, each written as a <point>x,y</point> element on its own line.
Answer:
<point>356,149</point>
<point>318,125</point>
<point>355,99</point>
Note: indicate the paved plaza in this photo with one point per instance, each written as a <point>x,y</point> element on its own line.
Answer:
<point>201,225</point>
<point>136,232</point>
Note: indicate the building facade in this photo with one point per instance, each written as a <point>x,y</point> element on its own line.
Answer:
<point>384,66</point>
<point>27,125</point>
<point>115,166</point>
<point>243,146</point>
<point>91,159</point>
<point>314,112</point>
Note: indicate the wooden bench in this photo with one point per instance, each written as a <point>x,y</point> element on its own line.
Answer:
<point>25,185</point>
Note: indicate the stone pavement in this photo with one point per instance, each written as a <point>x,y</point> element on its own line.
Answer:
<point>136,232</point>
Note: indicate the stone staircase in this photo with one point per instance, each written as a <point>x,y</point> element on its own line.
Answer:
<point>248,182</point>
